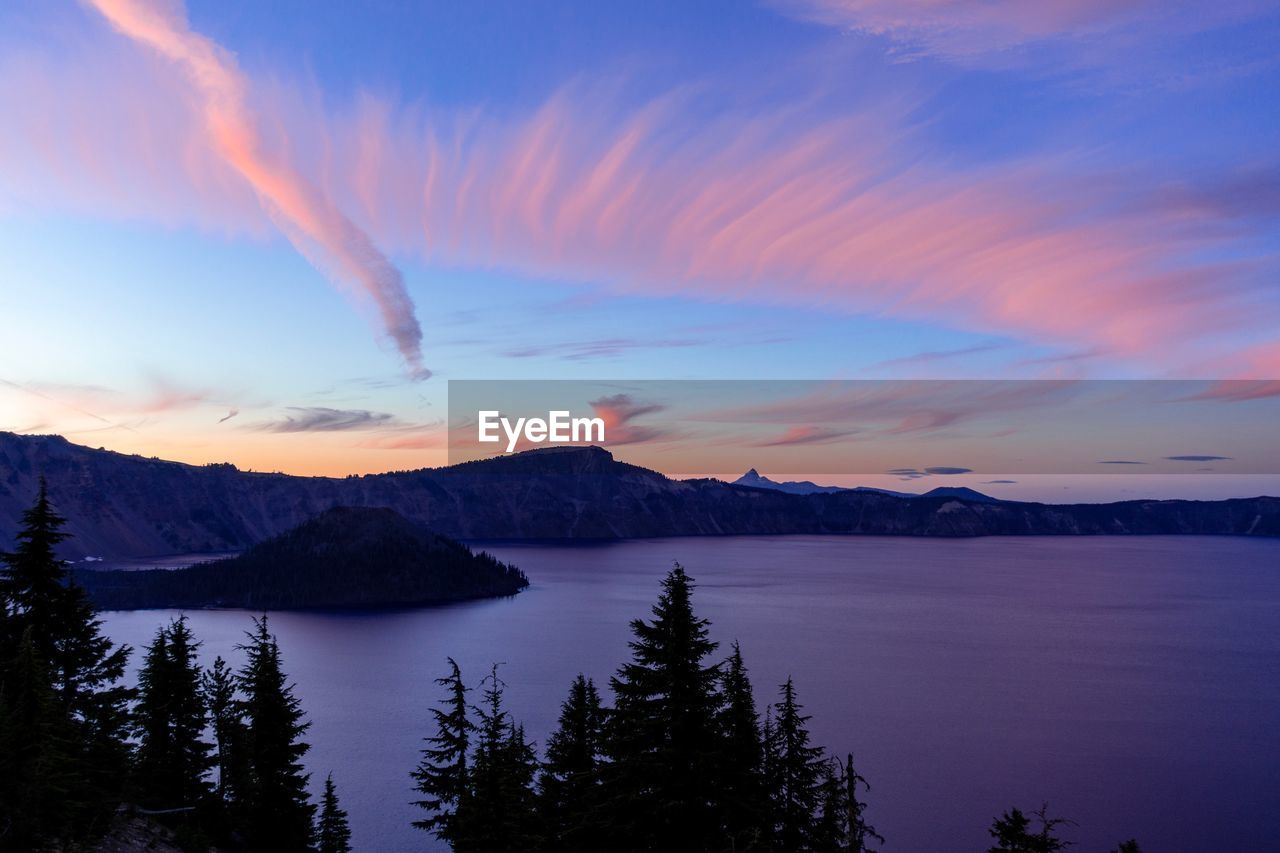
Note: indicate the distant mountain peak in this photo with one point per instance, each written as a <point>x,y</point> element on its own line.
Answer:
<point>755,480</point>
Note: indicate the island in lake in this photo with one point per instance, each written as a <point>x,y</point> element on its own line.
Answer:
<point>344,557</point>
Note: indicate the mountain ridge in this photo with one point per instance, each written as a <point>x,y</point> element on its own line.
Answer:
<point>121,506</point>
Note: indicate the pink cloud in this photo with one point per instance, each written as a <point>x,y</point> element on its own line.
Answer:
<point>805,434</point>
<point>817,216</point>
<point>669,199</point>
<point>317,228</point>
<point>619,411</point>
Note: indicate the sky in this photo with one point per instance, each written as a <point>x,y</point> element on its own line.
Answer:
<point>271,233</point>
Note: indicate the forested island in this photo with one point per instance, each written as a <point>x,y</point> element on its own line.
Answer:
<point>344,557</point>
<point>200,759</point>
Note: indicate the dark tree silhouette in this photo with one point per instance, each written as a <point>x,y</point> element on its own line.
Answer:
<point>499,813</point>
<point>742,788</point>
<point>443,775</point>
<point>52,649</point>
<point>569,786</point>
<point>219,684</point>
<point>1013,833</point>
<point>333,834</point>
<point>173,759</point>
<point>842,825</point>
<point>662,735</point>
<point>37,754</point>
<point>273,811</point>
<point>858,833</point>
<point>797,773</point>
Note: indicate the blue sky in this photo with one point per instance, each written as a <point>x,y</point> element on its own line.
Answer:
<point>259,208</point>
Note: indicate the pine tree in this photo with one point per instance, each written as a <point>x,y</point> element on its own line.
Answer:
<point>798,773</point>
<point>443,775</point>
<point>499,813</point>
<point>333,832</point>
<point>769,765</point>
<point>858,833</point>
<point>569,787</point>
<point>742,767</point>
<point>1013,834</point>
<point>154,754</point>
<point>842,826</point>
<point>82,667</point>
<point>829,835</point>
<point>173,758</point>
<point>219,685</point>
<point>662,736</point>
<point>274,812</point>
<point>33,585</point>
<point>37,755</point>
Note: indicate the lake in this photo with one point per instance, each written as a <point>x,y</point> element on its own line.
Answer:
<point>1133,683</point>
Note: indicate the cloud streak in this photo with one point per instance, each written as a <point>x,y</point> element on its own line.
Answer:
<point>805,434</point>
<point>619,411</point>
<point>670,197</point>
<point>323,419</point>
<point>317,228</point>
<point>995,29</point>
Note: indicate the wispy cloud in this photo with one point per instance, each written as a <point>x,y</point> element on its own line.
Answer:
<point>315,226</point>
<point>934,470</point>
<point>598,348</point>
<point>999,30</point>
<point>323,419</point>
<point>933,357</point>
<point>1198,458</point>
<point>669,198</point>
<point>1239,390</point>
<point>619,412</point>
<point>67,405</point>
<point>805,434</point>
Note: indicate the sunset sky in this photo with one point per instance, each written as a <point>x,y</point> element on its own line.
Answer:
<point>268,233</point>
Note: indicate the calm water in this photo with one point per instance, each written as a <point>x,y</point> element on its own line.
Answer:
<point>1133,683</point>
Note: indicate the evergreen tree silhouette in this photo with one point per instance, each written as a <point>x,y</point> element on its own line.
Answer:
<point>219,685</point>
<point>333,833</point>
<point>33,585</point>
<point>53,619</point>
<point>274,811</point>
<point>1013,833</point>
<point>443,775</point>
<point>842,825</point>
<point>499,813</point>
<point>662,735</point>
<point>798,773</point>
<point>37,755</point>
<point>829,834</point>
<point>858,833</point>
<point>173,759</point>
<point>569,787</point>
<point>742,786</point>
